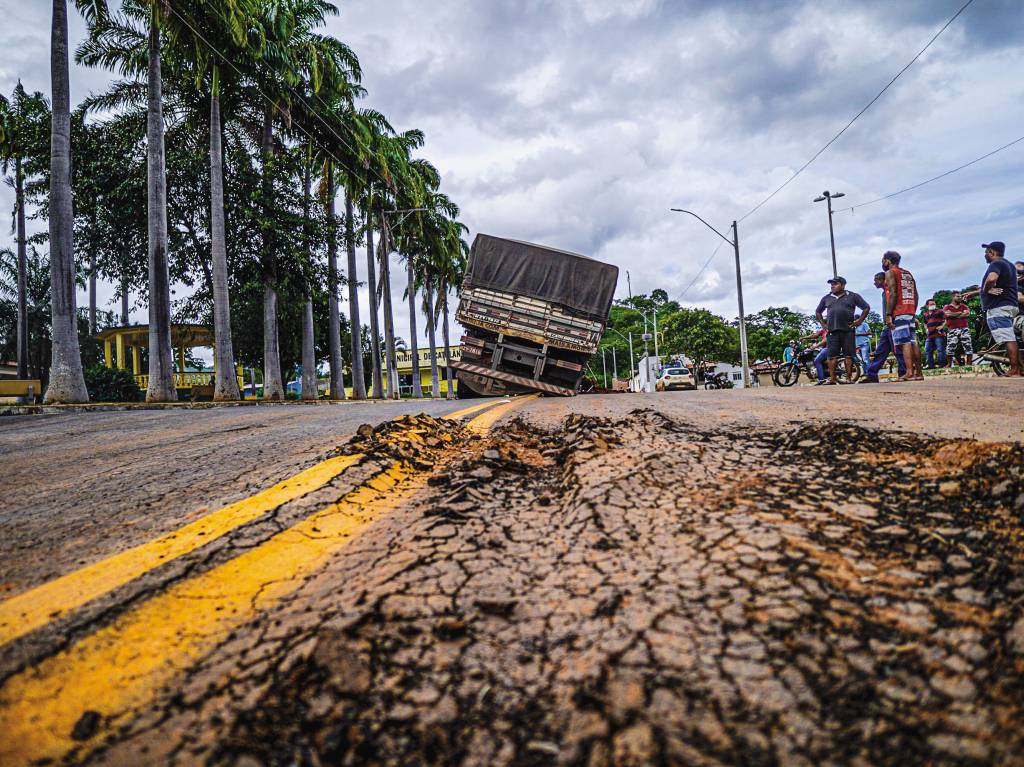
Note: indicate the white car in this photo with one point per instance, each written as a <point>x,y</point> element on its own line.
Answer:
<point>675,378</point>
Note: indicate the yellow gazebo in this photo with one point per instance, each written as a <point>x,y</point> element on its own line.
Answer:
<point>117,342</point>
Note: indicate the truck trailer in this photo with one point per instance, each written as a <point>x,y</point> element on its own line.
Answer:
<point>533,316</point>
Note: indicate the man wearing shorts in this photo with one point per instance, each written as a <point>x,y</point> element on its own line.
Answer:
<point>999,300</point>
<point>841,305</point>
<point>900,309</point>
<point>884,347</point>
<point>958,337</point>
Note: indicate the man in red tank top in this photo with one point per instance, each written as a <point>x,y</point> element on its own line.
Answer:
<point>900,310</point>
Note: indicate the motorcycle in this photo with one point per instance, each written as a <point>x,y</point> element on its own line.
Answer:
<point>788,373</point>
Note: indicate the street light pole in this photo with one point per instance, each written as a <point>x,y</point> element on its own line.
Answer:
<point>739,293</point>
<point>657,355</point>
<point>827,197</point>
<point>735,242</point>
<point>631,357</point>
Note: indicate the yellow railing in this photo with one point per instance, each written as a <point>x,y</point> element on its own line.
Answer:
<point>181,380</point>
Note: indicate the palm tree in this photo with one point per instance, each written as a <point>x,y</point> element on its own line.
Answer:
<point>423,179</point>
<point>333,317</point>
<point>309,385</point>
<point>22,121</point>
<point>362,126</point>
<point>371,283</point>
<point>441,252</point>
<point>161,386</point>
<point>449,275</point>
<point>67,383</point>
<point>390,202</point>
<point>293,60</point>
<point>345,154</point>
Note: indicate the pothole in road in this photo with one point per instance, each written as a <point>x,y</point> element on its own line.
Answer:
<point>643,591</point>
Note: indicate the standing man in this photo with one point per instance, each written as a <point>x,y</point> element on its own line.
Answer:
<point>841,305</point>
<point>935,341</point>
<point>999,300</point>
<point>958,320</point>
<point>789,353</point>
<point>900,313</point>
<point>884,347</point>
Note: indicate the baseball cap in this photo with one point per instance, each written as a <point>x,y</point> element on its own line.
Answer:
<point>997,246</point>
<point>837,279</point>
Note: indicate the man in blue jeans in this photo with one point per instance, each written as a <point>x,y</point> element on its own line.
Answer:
<point>884,347</point>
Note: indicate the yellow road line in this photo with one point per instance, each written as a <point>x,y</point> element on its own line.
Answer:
<point>482,423</point>
<point>36,607</point>
<point>123,665</point>
<point>474,408</point>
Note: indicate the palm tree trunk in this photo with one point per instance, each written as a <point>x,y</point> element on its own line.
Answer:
<point>428,293</point>
<point>22,342</point>
<point>358,375</point>
<point>417,387</point>
<point>273,388</point>
<point>389,316</point>
<point>447,344</point>
<point>161,369</point>
<point>66,381</point>
<point>371,283</point>
<point>334,317</point>
<point>92,294</point>
<point>124,299</point>
<point>226,383</point>
<point>309,389</point>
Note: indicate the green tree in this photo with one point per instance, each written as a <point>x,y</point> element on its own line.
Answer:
<point>24,120</point>
<point>66,383</point>
<point>701,336</point>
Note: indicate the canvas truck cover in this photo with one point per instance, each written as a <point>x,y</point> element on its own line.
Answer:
<point>578,284</point>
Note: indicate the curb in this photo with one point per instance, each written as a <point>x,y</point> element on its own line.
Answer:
<point>123,406</point>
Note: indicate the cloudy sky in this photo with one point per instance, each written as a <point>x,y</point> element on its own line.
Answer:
<point>579,123</point>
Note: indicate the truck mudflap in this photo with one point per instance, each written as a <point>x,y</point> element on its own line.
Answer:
<point>512,378</point>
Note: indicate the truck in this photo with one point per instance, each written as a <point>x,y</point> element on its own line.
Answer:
<point>533,315</point>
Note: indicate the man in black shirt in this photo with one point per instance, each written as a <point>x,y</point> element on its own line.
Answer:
<point>840,306</point>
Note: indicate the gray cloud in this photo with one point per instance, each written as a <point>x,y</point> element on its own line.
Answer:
<point>580,123</point>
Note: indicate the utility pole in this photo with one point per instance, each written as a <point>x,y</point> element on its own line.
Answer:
<point>657,356</point>
<point>743,320</point>
<point>632,359</point>
<point>828,197</point>
<point>604,368</point>
<point>615,367</point>
<point>735,242</point>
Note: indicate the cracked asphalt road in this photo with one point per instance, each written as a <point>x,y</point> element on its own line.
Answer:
<point>69,479</point>
<point>802,577</point>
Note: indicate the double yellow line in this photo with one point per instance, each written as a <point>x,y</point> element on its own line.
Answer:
<point>122,665</point>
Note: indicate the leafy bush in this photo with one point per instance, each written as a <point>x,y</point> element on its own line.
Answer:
<point>111,385</point>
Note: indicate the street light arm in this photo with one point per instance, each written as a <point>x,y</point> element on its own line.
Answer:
<point>680,210</point>
<point>618,334</point>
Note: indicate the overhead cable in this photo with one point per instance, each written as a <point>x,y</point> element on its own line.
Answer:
<point>273,104</point>
<point>694,280</point>
<point>867,106</point>
<point>934,178</point>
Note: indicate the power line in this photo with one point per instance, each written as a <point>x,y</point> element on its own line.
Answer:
<point>694,280</point>
<point>935,178</point>
<point>273,104</point>
<point>832,140</point>
<point>861,112</point>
